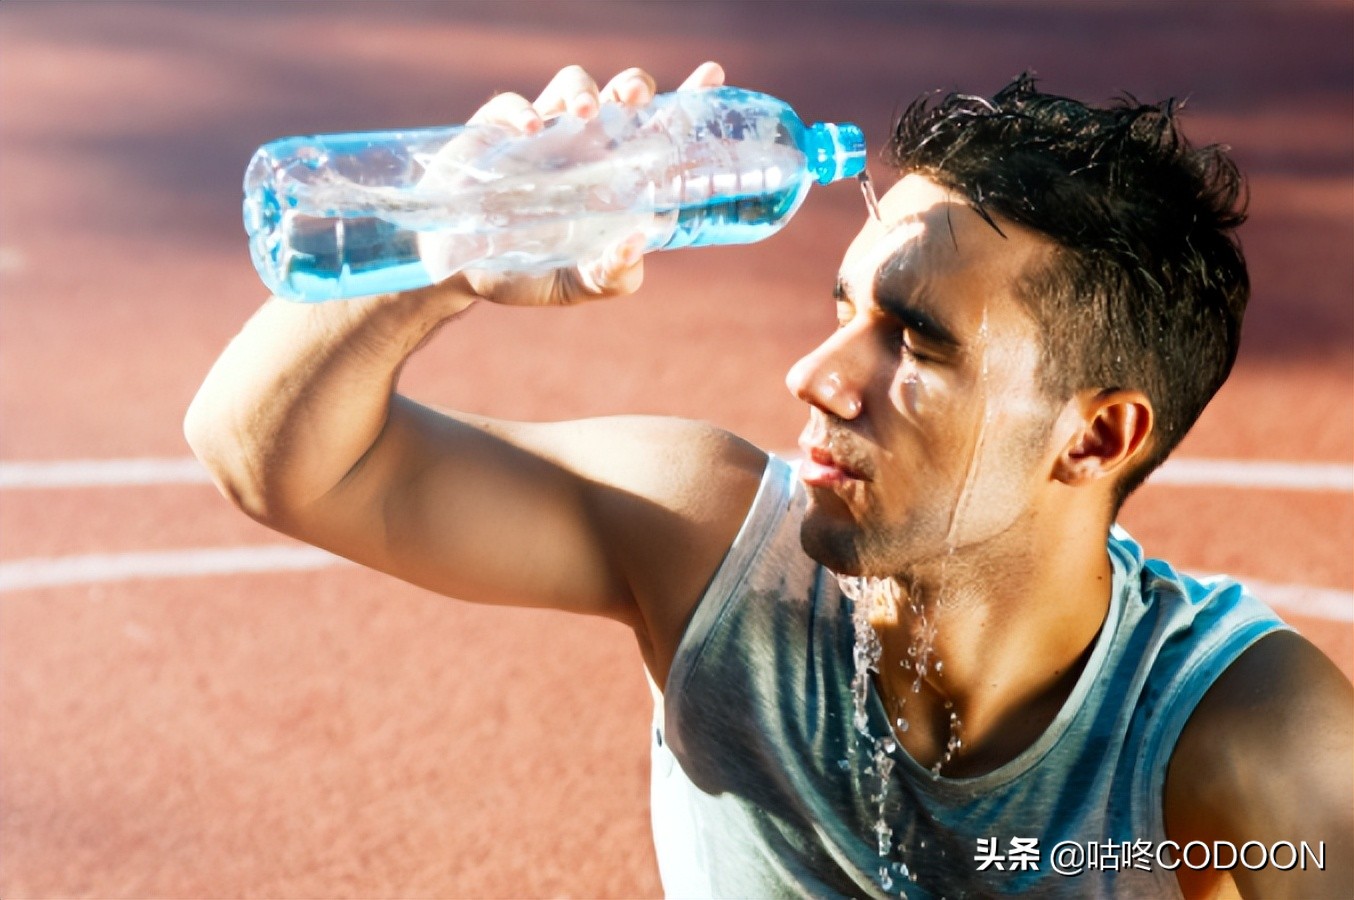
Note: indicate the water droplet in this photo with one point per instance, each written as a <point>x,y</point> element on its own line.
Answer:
<point>884,836</point>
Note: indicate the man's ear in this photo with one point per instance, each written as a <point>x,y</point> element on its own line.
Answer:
<point>1111,434</point>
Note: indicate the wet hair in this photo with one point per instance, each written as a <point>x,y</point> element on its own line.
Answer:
<point>1146,286</point>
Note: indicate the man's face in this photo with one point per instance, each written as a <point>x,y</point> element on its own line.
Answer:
<point>928,434</point>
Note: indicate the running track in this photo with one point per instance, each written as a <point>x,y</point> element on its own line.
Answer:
<point>192,707</point>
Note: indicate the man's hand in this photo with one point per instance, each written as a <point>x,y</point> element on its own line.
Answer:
<point>617,272</point>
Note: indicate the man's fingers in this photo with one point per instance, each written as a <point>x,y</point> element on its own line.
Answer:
<point>511,110</point>
<point>637,87</point>
<point>634,87</point>
<point>572,90</point>
<point>617,272</point>
<point>706,75</point>
<point>496,120</point>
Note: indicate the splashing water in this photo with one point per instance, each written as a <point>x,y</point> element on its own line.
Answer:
<point>872,597</point>
<point>866,595</point>
<point>953,742</point>
<point>882,598</point>
<point>883,767</point>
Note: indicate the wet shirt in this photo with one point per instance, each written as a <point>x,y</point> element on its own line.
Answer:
<point>763,787</point>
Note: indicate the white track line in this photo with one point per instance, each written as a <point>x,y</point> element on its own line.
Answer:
<point>76,473</point>
<point>1319,603</point>
<point>61,571</point>
<point>58,571</point>
<point>1229,473</point>
<point>19,574</point>
<point>1256,474</point>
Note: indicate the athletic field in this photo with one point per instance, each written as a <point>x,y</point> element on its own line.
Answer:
<point>192,706</point>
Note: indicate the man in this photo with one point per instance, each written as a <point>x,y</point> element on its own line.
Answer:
<point>1046,300</point>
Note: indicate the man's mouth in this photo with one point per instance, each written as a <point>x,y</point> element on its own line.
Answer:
<point>824,466</point>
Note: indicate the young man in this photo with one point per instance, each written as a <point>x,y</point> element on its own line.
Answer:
<point>1049,296</point>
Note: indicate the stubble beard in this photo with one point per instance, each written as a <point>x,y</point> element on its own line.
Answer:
<point>925,551</point>
<point>852,548</point>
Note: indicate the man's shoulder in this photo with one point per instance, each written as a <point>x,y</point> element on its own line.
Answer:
<point>1280,695</point>
<point>1266,754</point>
<point>671,495</point>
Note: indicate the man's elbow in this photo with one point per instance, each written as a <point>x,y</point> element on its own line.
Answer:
<point>218,445</point>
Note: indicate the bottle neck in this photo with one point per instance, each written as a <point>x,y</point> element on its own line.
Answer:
<point>836,151</point>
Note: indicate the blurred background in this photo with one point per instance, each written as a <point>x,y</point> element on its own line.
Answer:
<point>190,706</point>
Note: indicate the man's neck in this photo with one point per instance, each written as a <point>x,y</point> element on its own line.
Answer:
<point>979,658</point>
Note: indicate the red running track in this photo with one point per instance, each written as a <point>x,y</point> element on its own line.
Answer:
<point>195,730</point>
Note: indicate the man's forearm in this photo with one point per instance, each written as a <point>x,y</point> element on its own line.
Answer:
<point>302,393</point>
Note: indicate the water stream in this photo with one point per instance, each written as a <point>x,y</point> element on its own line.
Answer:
<point>885,599</point>
<point>871,199</point>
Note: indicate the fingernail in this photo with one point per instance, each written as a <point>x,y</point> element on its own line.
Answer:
<point>629,251</point>
<point>527,120</point>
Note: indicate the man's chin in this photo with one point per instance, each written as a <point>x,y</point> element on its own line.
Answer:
<point>830,548</point>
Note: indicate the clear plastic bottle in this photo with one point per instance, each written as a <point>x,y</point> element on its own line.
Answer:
<point>347,215</point>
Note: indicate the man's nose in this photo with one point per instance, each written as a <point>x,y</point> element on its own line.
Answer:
<point>828,377</point>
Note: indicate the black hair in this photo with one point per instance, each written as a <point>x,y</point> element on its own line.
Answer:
<point>1147,284</point>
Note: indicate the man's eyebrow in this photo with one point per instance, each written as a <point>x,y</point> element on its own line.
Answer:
<point>911,315</point>
<point>841,293</point>
<point>918,320</point>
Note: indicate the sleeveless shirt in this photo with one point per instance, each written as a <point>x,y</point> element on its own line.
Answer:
<point>762,786</point>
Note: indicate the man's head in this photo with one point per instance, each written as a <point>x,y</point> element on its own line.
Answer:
<point>1050,296</point>
<point>1147,287</point>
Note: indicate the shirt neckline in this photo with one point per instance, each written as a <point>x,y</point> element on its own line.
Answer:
<point>1027,758</point>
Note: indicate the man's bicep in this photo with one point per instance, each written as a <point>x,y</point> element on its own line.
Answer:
<point>453,507</point>
<point>666,497</point>
<point>525,514</point>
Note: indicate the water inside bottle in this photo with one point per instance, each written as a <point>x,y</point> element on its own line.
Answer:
<point>722,202</point>
<point>319,258</point>
<point>309,245</point>
<point>733,220</point>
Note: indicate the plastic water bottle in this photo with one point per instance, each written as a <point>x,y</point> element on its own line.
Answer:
<point>348,215</point>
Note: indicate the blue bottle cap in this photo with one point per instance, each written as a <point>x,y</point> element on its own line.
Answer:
<point>836,151</point>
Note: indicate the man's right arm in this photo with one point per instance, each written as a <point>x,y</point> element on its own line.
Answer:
<point>300,426</point>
